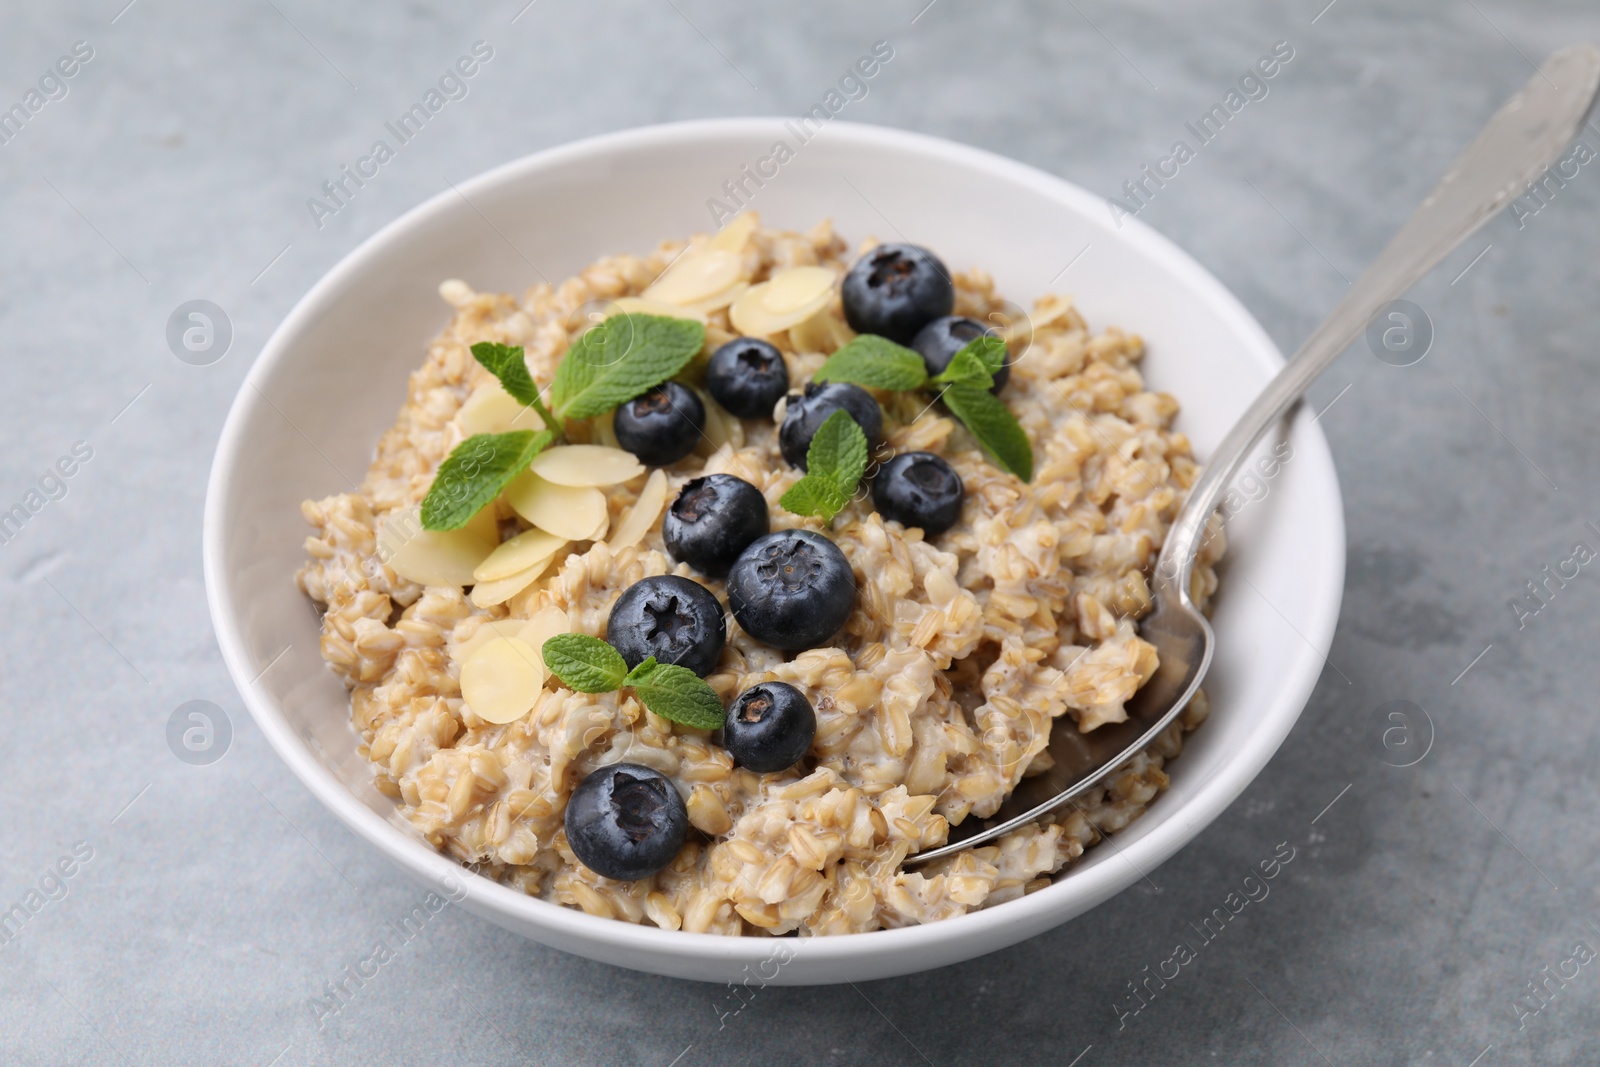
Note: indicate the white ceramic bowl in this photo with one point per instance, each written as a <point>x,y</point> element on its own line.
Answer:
<point>333,375</point>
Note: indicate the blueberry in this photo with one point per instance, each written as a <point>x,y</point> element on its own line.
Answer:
<point>769,727</point>
<point>712,521</point>
<point>671,618</point>
<point>792,590</point>
<point>895,290</point>
<point>662,426</point>
<point>807,411</point>
<point>919,489</point>
<point>626,821</point>
<point>939,341</point>
<point>747,376</point>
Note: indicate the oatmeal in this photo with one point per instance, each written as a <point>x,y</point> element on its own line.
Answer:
<point>958,651</point>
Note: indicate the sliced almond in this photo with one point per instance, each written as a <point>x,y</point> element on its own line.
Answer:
<point>498,591</point>
<point>435,557</point>
<point>567,511</point>
<point>798,287</point>
<point>545,624</point>
<point>736,234</point>
<point>1050,308</point>
<point>715,432</point>
<point>518,554</point>
<point>502,680</point>
<point>637,305</point>
<point>487,632</point>
<point>695,276</point>
<point>598,531</point>
<point>604,432</point>
<point>752,317</point>
<point>822,332</point>
<point>585,466</point>
<point>720,300</point>
<point>637,522</point>
<point>490,409</point>
<point>749,316</point>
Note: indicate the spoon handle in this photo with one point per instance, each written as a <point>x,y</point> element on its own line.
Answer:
<point>1524,137</point>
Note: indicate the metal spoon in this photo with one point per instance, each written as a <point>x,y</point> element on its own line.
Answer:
<point>1524,137</point>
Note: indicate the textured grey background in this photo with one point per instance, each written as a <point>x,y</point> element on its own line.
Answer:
<point>220,898</point>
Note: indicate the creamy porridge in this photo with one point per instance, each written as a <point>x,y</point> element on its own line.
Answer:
<point>957,653</point>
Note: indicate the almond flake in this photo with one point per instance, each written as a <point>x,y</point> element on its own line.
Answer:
<point>502,680</point>
<point>752,317</point>
<point>545,624</point>
<point>720,301</point>
<point>736,234</point>
<point>564,510</point>
<point>823,332</point>
<point>637,305</point>
<point>586,466</point>
<point>435,557</point>
<point>490,409</point>
<point>499,590</point>
<point>695,276</point>
<point>715,432</point>
<point>642,516</point>
<point>1050,308</point>
<point>485,633</point>
<point>797,287</point>
<point>525,550</point>
<point>598,531</point>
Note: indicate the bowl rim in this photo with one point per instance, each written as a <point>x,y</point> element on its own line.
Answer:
<point>1079,892</point>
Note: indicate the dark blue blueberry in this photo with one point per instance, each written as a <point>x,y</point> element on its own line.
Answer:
<point>662,426</point>
<point>896,290</point>
<point>807,411</point>
<point>626,822</point>
<point>769,727</point>
<point>919,489</point>
<point>671,618</point>
<point>939,341</point>
<point>792,590</point>
<point>713,520</point>
<point>747,376</point>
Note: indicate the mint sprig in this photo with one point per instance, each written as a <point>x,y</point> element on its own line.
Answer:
<point>619,359</point>
<point>813,495</point>
<point>586,664</point>
<point>882,364</point>
<point>475,472</point>
<point>989,352</point>
<point>835,461</point>
<point>976,364</point>
<point>995,428</point>
<point>676,693</point>
<point>876,362</point>
<point>506,363</point>
<point>589,665</point>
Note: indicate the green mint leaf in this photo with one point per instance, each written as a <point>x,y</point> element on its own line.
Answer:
<point>473,475</point>
<point>584,664</point>
<point>876,362</point>
<point>676,693</point>
<point>621,358</point>
<point>505,362</point>
<point>990,349</point>
<point>996,429</point>
<point>977,363</point>
<point>838,451</point>
<point>835,461</point>
<point>814,495</point>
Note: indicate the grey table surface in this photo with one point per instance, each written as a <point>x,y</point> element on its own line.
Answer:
<point>216,901</point>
